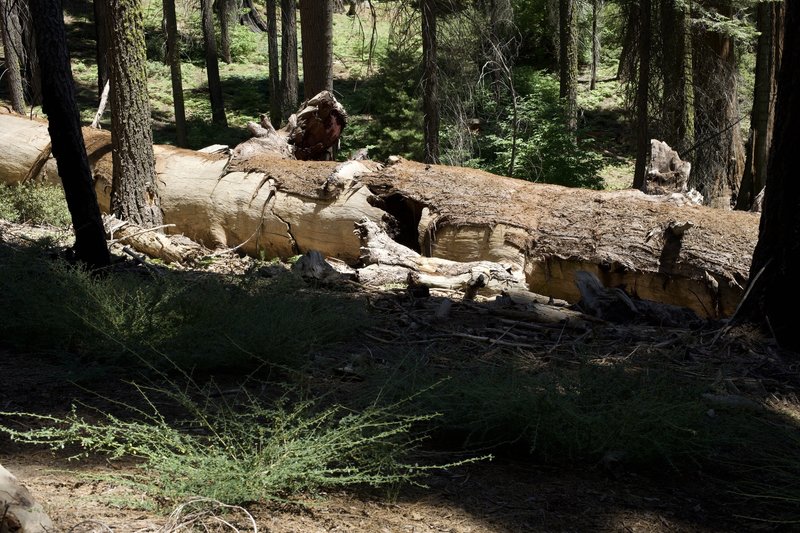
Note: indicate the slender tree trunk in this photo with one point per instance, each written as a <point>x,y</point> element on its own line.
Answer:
<point>58,92</point>
<point>568,66</point>
<point>674,68</point>
<point>595,44</point>
<point>134,192</point>
<point>101,43</point>
<point>642,95</point>
<point>773,274</point>
<point>316,26</point>
<point>174,59</point>
<point>719,155</point>
<point>630,38</point>
<point>430,82</point>
<point>290,81</point>
<point>274,66</point>
<point>212,66</point>
<point>768,56</point>
<point>226,11</point>
<point>14,52</point>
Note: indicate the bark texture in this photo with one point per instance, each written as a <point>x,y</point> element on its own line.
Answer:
<point>568,60</point>
<point>66,140</point>
<point>762,120</point>
<point>316,26</point>
<point>212,66</point>
<point>642,97</point>
<point>774,290</point>
<point>661,248</point>
<point>674,127</point>
<point>274,66</point>
<point>11,29</point>
<point>290,82</point>
<point>719,152</point>
<point>135,194</point>
<point>174,60</point>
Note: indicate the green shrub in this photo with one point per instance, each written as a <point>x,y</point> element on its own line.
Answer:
<point>35,204</point>
<point>545,150</point>
<point>240,452</point>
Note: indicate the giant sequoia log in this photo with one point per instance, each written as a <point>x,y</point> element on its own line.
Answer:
<point>659,248</point>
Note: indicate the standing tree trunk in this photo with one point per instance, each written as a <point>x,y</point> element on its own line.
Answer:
<point>719,156</point>
<point>67,145</point>
<point>316,26</point>
<point>290,81</point>
<point>14,52</point>
<point>227,12</point>
<point>674,68</point>
<point>274,67</point>
<point>430,82</point>
<point>768,59</point>
<point>134,192</point>
<point>642,95</point>
<point>630,36</point>
<point>174,60</point>
<point>212,66</point>
<point>773,274</point>
<point>596,6</point>
<point>101,44</point>
<point>568,61</point>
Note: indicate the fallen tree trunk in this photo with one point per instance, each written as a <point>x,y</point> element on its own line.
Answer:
<point>281,207</point>
<point>19,512</point>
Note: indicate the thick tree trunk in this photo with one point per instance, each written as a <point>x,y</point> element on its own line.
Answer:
<point>11,29</point>
<point>642,95</point>
<point>174,60</point>
<point>316,26</point>
<point>58,92</point>
<point>630,38</point>
<point>719,152</point>
<point>212,66</point>
<point>568,61</point>
<point>135,195</point>
<point>282,207</point>
<point>228,16</point>
<point>430,82</point>
<point>290,82</point>
<point>674,68</point>
<point>773,292</point>
<point>274,66</point>
<point>768,58</point>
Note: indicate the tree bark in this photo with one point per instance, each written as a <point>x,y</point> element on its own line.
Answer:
<point>642,97</point>
<point>66,140</point>
<point>568,62</point>
<point>280,207</point>
<point>226,11</point>
<point>316,26</point>
<point>290,82</point>
<point>774,288</point>
<point>596,7</point>
<point>134,194</point>
<point>719,152</point>
<point>274,66</point>
<point>212,66</point>
<point>11,28</point>
<point>430,82</point>
<point>768,58</point>
<point>630,38</point>
<point>174,60</point>
<point>674,69</point>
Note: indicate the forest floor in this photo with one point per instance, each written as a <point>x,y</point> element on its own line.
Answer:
<point>518,490</point>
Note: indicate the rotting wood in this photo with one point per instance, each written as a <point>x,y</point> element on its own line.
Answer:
<point>280,208</point>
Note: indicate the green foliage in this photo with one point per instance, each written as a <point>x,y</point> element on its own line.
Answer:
<point>241,452</point>
<point>545,150</point>
<point>35,204</point>
<point>204,322</point>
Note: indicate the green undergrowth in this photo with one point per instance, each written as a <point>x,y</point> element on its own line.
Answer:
<point>199,321</point>
<point>34,204</point>
<point>612,418</point>
<point>241,450</point>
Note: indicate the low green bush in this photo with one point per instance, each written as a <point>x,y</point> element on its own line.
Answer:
<point>34,204</point>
